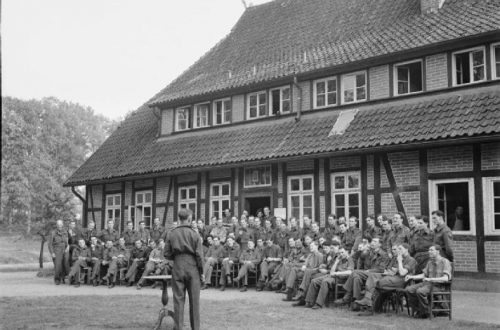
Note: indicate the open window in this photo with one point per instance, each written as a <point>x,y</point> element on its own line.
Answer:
<point>280,100</point>
<point>143,208</point>
<point>188,200</point>
<point>354,87</point>
<point>455,197</point>
<point>408,78</point>
<point>200,118</point>
<point>469,66</point>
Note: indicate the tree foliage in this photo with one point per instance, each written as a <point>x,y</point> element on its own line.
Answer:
<point>43,143</point>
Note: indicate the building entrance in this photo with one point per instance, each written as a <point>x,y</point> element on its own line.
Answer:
<point>252,204</point>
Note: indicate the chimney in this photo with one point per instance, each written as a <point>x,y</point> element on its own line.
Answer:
<point>430,6</point>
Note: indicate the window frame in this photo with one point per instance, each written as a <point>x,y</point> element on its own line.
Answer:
<point>342,89</point>
<point>488,206</point>
<point>224,110</point>
<point>188,123</point>
<point>396,80</point>
<point>113,208</point>
<point>301,193</point>
<point>258,185</point>
<point>471,69</point>
<point>266,105</point>
<point>195,114</point>
<point>315,94</point>
<point>494,75</point>
<point>220,199</point>
<point>270,99</point>
<point>188,200</point>
<point>346,191</point>
<point>434,202</point>
<point>143,205</point>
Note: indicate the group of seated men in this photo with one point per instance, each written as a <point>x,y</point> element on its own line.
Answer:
<point>106,253</point>
<point>304,263</point>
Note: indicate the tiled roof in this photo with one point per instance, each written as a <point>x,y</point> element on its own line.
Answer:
<point>134,148</point>
<point>287,37</point>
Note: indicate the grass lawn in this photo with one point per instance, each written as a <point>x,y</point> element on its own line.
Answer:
<point>15,249</point>
<point>140,312</point>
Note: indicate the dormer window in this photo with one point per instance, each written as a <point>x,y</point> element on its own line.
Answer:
<point>200,118</point>
<point>408,78</point>
<point>325,92</point>
<point>354,87</point>
<point>257,105</point>
<point>222,111</point>
<point>468,66</point>
<point>495,60</point>
<point>182,119</point>
<point>280,100</point>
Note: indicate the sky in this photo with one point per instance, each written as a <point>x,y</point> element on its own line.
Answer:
<point>111,55</point>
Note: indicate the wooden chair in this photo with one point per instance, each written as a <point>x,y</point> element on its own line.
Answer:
<point>440,299</point>
<point>216,274</point>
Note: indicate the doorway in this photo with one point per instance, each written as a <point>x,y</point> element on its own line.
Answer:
<point>252,204</point>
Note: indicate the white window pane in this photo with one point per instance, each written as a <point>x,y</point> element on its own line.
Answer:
<point>295,184</point>
<point>295,201</point>
<point>332,85</point>
<point>110,214</point>
<point>339,200</point>
<point>117,214</point>
<point>353,199</point>
<point>148,198</point>
<point>225,204</point>
<point>320,87</point>
<point>140,198</point>
<point>253,100</point>
<point>109,201</point>
<point>215,190</point>
<point>183,194</point>
<point>225,190</point>
<point>118,200</point>
<point>192,193</point>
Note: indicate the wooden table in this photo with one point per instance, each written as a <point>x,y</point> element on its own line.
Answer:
<point>164,312</point>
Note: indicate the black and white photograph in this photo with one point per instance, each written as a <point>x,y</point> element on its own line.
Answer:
<point>250,164</point>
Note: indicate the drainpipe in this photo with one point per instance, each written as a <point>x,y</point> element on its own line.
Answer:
<point>299,98</point>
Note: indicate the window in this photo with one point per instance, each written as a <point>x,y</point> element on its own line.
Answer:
<point>495,60</point>
<point>182,119</point>
<point>325,92</point>
<point>408,78</point>
<point>346,194</point>
<point>301,197</point>
<point>222,112</point>
<point>187,199</point>
<point>114,208</point>
<point>258,176</point>
<point>257,105</point>
<point>468,66</point>
<point>280,100</point>
<point>491,205</point>
<point>143,208</point>
<point>220,194</point>
<point>455,197</point>
<point>200,118</point>
<point>354,87</point>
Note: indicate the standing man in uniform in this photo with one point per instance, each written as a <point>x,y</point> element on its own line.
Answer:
<point>58,246</point>
<point>184,247</point>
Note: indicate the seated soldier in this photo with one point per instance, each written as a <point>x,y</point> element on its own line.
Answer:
<point>438,270</point>
<point>220,232</point>
<point>313,261</point>
<point>392,278</point>
<point>312,273</point>
<point>270,260</point>
<point>318,290</point>
<point>278,278</point>
<point>107,256</point>
<point>372,260</point>
<point>294,231</point>
<point>80,256</point>
<point>155,260</point>
<point>96,258</point>
<point>138,259</point>
<point>119,259</point>
<point>230,256</point>
<point>212,258</point>
<point>249,259</point>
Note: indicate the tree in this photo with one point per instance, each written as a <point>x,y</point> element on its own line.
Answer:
<point>43,143</point>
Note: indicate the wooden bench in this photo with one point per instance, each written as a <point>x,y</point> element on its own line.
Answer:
<point>164,298</point>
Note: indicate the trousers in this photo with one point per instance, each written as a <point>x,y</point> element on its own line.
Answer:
<point>186,277</point>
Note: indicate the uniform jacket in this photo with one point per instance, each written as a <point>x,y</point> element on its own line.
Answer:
<point>273,251</point>
<point>350,237</point>
<point>109,235</point>
<point>231,252</point>
<point>215,252</point>
<point>130,237</point>
<point>385,240</point>
<point>244,235</point>
<point>399,235</point>
<point>313,260</point>
<point>421,241</point>
<point>375,261</point>
<point>250,255</point>
<point>372,232</point>
<point>157,233</point>
<point>143,235</point>
<point>108,253</point>
<point>138,253</point>
<point>58,240</point>
<point>157,254</point>
<point>281,238</point>
<point>444,238</point>
<point>97,251</point>
<point>74,235</point>
<point>295,233</point>
<point>219,232</point>
<point>120,250</point>
<point>87,234</point>
<point>437,268</point>
<point>183,240</point>
<point>81,252</point>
